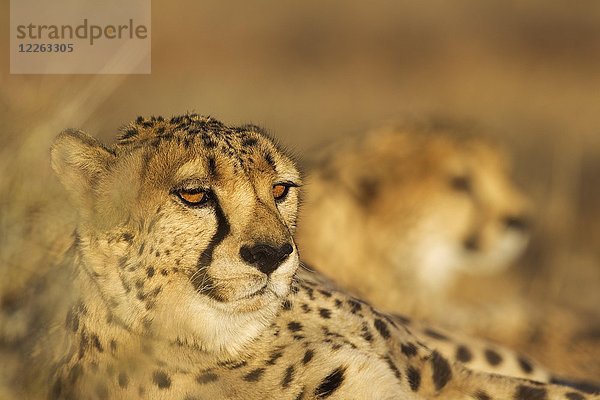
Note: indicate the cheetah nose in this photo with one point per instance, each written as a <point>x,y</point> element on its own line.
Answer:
<point>265,257</point>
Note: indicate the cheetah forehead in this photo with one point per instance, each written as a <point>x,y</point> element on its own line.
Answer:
<point>205,137</point>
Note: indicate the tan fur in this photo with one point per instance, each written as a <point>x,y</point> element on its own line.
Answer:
<point>155,316</point>
<point>388,215</point>
<point>406,202</point>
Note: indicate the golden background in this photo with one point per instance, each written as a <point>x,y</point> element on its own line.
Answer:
<point>527,72</point>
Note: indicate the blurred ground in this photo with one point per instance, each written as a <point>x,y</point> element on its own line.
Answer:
<point>528,72</point>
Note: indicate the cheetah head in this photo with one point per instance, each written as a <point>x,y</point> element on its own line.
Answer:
<point>430,203</point>
<point>186,226</point>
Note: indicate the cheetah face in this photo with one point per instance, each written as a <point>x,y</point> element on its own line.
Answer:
<point>473,218</point>
<point>186,225</point>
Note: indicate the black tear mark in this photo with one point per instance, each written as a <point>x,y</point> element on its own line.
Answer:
<point>330,383</point>
<point>223,229</point>
<point>442,373</point>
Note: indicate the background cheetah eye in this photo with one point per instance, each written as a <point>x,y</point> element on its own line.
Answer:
<point>193,197</point>
<point>280,191</point>
<point>461,183</point>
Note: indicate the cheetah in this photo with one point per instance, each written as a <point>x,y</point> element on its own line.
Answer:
<point>187,284</point>
<point>434,203</point>
<point>431,206</point>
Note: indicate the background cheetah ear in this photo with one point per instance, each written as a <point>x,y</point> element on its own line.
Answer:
<point>80,160</point>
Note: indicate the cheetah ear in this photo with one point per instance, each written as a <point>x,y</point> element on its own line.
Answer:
<point>79,160</point>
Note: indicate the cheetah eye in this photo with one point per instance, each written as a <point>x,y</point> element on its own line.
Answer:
<point>461,183</point>
<point>193,197</point>
<point>281,190</point>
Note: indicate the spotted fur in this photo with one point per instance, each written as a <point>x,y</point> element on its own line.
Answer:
<point>155,317</point>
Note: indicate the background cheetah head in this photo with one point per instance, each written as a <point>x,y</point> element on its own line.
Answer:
<point>185,224</point>
<point>429,203</point>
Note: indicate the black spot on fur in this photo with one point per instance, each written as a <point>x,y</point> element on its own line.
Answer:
<point>150,272</point>
<point>414,378</point>
<point>525,365</point>
<point>270,160</point>
<point>161,379</point>
<point>481,395</point>
<point>582,386</point>
<point>355,306</point>
<point>403,319</point>
<point>207,377</point>
<point>276,355</point>
<point>123,380</point>
<point>287,305</point>
<point>294,326</point>
<point>408,349</point>
<point>435,334</point>
<point>96,342</point>
<point>113,345</point>
<point>366,333</point>
<point>530,393</point>
<point>308,356</point>
<point>249,142</point>
<point>127,236</point>
<point>330,383</point>
<point>442,373</point>
<point>393,367</point>
<point>102,391</point>
<point>232,366</point>
<point>463,354</point>
<point>325,293</point>
<point>288,377</point>
<point>382,328</point>
<point>574,396</point>
<point>325,313</point>
<point>254,375</point>
<point>492,357</point>
<point>128,133</point>
<point>301,394</point>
